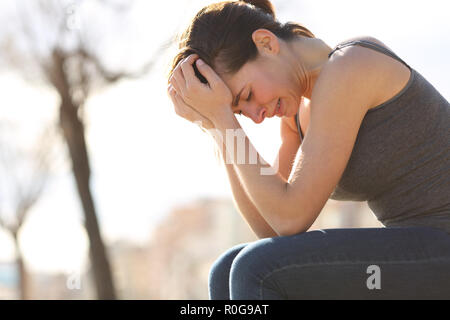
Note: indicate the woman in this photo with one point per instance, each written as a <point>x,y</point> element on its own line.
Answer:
<point>357,123</point>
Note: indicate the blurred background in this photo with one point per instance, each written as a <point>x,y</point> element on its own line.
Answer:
<point>104,191</point>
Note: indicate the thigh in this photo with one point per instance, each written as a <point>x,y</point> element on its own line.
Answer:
<point>396,262</point>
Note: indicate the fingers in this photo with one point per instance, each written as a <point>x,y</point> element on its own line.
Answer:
<point>186,111</point>
<point>178,77</point>
<point>211,76</point>
<point>177,73</point>
<point>177,102</point>
<point>184,71</point>
<point>171,92</point>
<point>184,74</point>
<point>188,69</point>
<point>181,108</point>
<point>178,88</point>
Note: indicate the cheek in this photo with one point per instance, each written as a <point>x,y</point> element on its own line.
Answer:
<point>268,85</point>
<point>267,91</point>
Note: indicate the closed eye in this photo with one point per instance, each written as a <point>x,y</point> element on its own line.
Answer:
<point>248,99</point>
<point>249,96</point>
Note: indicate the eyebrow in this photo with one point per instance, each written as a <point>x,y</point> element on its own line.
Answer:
<point>236,100</point>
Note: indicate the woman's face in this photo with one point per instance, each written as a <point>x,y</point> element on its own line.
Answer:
<point>259,85</point>
<point>271,78</point>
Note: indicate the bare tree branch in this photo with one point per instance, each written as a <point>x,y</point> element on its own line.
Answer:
<point>25,172</point>
<point>113,76</point>
<point>73,62</point>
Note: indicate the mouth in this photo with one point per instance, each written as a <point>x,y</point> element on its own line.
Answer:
<point>278,109</point>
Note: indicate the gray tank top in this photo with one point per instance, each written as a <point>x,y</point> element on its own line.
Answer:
<point>400,163</point>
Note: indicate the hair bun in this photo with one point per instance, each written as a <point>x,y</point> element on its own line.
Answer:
<point>264,5</point>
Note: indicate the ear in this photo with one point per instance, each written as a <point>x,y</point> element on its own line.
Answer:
<point>266,42</point>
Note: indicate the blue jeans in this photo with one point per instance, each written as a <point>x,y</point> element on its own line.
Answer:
<point>365,263</point>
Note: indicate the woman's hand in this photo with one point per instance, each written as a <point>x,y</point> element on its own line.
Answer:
<point>212,100</point>
<point>187,112</point>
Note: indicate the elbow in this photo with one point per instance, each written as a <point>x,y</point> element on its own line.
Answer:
<point>269,233</point>
<point>290,231</point>
<point>291,226</point>
<point>288,221</point>
<point>293,221</point>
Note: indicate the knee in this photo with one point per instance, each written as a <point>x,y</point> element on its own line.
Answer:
<point>219,274</point>
<point>247,269</point>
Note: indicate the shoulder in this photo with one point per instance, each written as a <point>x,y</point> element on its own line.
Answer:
<point>363,37</point>
<point>385,75</point>
<point>359,53</point>
<point>350,79</point>
<point>355,72</point>
<point>362,58</point>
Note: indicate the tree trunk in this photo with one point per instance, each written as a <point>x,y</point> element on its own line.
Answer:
<point>23,283</point>
<point>73,130</point>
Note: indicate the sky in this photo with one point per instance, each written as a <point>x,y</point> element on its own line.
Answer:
<point>146,159</point>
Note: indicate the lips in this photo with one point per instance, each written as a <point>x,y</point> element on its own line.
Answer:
<point>278,108</point>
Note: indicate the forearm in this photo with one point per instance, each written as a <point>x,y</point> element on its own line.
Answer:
<point>245,206</point>
<point>265,187</point>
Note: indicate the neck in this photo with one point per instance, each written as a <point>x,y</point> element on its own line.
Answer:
<point>310,55</point>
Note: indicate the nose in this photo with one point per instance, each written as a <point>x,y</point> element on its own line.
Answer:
<point>259,115</point>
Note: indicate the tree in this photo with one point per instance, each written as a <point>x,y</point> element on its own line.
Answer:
<point>48,42</point>
<point>25,172</point>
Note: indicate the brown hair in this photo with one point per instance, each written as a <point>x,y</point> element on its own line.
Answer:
<point>221,34</point>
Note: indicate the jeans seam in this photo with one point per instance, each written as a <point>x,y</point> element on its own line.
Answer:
<point>261,283</point>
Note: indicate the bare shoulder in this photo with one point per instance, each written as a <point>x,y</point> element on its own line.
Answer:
<point>368,38</point>
<point>388,74</point>
<point>353,74</point>
<point>360,52</point>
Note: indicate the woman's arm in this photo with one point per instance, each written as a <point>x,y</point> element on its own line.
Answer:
<point>263,184</point>
<point>338,106</point>
<point>290,143</point>
<point>286,155</point>
<point>246,208</point>
<point>339,102</point>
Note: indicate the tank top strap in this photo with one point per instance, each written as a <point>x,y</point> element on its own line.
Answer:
<point>298,126</point>
<point>371,45</point>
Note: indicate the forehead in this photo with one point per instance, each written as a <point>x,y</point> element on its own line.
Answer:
<point>237,79</point>
<point>246,76</point>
